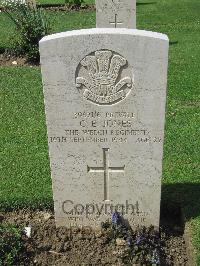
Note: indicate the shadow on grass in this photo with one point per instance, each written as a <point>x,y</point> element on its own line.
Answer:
<point>144,4</point>
<point>62,5</point>
<point>185,197</point>
<point>66,8</point>
<point>173,42</point>
<point>50,5</point>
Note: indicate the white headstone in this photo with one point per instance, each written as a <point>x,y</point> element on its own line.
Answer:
<point>116,14</point>
<point>105,94</point>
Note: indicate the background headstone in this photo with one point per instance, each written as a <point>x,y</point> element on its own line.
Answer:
<point>116,14</point>
<point>105,94</point>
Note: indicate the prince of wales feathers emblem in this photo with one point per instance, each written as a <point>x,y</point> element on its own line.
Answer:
<point>100,81</point>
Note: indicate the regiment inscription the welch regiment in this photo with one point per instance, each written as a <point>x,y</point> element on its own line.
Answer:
<point>105,112</point>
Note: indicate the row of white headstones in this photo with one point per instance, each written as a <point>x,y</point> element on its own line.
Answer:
<point>105,96</point>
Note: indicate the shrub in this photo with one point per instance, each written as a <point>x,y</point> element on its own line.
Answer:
<point>31,24</point>
<point>10,244</point>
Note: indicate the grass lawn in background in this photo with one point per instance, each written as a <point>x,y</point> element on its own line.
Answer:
<point>24,170</point>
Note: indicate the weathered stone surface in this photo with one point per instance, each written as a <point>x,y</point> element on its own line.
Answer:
<point>116,14</point>
<point>105,94</point>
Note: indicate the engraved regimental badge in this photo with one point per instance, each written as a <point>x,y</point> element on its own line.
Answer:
<point>104,77</point>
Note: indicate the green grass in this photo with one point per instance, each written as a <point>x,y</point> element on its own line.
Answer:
<point>64,21</point>
<point>25,174</point>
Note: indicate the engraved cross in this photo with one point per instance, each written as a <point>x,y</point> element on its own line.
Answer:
<point>116,22</point>
<point>106,169</point>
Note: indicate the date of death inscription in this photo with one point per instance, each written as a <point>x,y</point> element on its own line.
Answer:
<point>105,127</point>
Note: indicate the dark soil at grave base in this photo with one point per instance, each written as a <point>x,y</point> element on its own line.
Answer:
<point>7,59</point>
<point>50,246</point>
<point>60,7</point>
